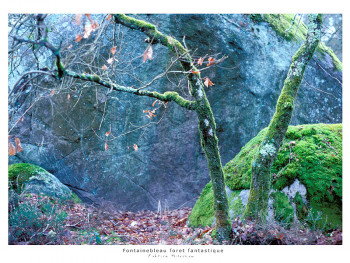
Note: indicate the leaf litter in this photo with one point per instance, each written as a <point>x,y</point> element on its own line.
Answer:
<point>103,225</point>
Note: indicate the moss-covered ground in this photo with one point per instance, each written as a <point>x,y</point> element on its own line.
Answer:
<point>310,153</point>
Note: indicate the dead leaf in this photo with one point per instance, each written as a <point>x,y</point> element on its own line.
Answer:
<point>94,25</point>
<point>88,16</point>
<point>78,19</point>
<point>170,40</point>
<point>200,61</point>
<point>194,72</point>
<point>108,133</point>
<point>78,38</point>
<point>110,60</point>
<point>106,146</point>
<point>52,92</point>
<point>207,82</point>
<point>148,54</point>
<point>12,149</point>
<point>181,222</point>
<point>104,67</point>
<point>18,145</point>
<point>154,103</point>
<point>87,31</point>
<point>210,61</point>
<point>68,96</point>
<point>109,17</point>
<point>205,231</point>
<point>135,147</point>
<point>113,50</point>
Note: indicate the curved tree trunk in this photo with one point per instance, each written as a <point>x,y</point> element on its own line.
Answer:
<point>261,180</point>
<point>206,121</point>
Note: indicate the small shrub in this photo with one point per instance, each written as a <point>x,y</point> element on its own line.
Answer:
<point>35,219</point>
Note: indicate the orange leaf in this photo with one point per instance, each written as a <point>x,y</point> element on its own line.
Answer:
<point>135,147</point>
<point>94,25</point>
<point>148,54</point>
<point>154,103</point>
<point>106,146</point>
<point>207,82</point>
<point>18,145</point>
<point>194,72</point>
<point>52,92</point>
<point>108,133</point>
<point>78,38</point>
<point>200,61</point>
<point>113,50</point>
<point>109,17</point>
<point>181,223</point>
<point>88,16</point>
<point>205,231</point>
<point>104,67</point>
<point>12,149</point>
<point>210,61</point>
<point>78,19</point>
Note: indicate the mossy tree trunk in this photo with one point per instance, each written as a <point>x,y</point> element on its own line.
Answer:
<point>206,121</point>
<point>261,180</point>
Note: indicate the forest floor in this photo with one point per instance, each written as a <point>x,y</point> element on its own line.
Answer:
<point>87,224</point>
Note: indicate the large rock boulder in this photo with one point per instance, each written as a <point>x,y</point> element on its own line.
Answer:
<point>27,178</point>
<point>306,179</point>
<point>169,165</point>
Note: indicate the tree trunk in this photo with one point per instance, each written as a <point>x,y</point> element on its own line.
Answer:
<point>206,121</point>
<point>261,180</point>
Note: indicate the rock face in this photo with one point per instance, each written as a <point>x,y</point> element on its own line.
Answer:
<point>169,165</point>
<point>307,179</point>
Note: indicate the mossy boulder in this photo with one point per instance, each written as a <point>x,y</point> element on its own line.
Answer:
<point>25,178</point>
<point>306,179</point>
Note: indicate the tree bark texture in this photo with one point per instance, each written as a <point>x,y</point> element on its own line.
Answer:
<point>261,180</point>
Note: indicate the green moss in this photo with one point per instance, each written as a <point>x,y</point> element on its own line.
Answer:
<point>203,212</point>
<point>75,198</point>
<point>283,25</point>
<point>324,216</point>
<point>236,206</point>
<point>310,153</point>
<point>301,207</point>
<point>323,49</point>
<point>283,210</point>
<point>19,174</point>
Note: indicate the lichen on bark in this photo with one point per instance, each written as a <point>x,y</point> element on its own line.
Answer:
<point>261,180</point>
